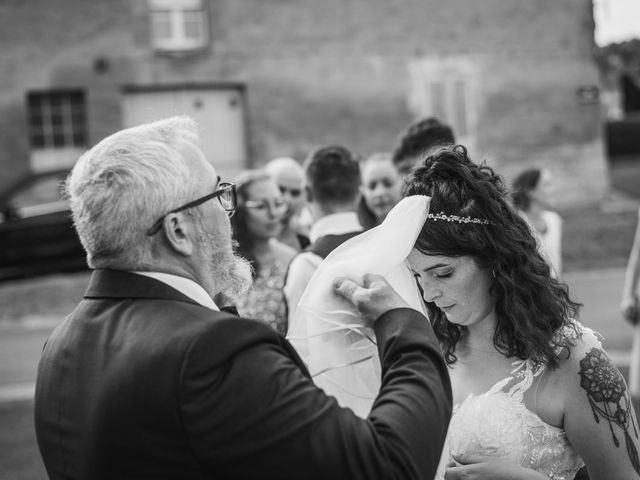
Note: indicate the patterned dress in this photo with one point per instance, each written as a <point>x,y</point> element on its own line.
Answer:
<point>265,301</point>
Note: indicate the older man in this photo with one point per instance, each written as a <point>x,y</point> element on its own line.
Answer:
<point>289,175</point>
<point>148,379</point>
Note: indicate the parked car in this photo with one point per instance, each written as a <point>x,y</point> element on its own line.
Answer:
<point>36,231</point>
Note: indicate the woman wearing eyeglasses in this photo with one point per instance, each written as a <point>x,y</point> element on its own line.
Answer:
<point>256,226</point>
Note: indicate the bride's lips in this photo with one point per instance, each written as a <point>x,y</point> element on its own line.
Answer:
<point>445,308</point>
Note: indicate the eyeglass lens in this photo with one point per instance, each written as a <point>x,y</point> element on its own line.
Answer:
<point>227,197</point>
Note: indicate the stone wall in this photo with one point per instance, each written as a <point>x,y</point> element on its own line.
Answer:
<point>334,71</point>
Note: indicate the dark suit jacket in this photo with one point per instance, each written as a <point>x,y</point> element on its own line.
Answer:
<point>141,382</point>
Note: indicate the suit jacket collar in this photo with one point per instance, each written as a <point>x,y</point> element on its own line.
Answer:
<point>106,283</point>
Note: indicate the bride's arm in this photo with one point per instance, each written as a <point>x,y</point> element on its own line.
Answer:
<point>598,415</point>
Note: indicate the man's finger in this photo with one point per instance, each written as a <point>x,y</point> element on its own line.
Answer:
<point>370,278</point>
<point>345,287</point>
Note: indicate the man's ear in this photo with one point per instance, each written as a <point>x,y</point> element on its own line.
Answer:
<point>308,193</point>
<point>179,233</point>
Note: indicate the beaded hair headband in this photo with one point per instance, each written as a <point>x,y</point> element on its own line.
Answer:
<point>455,218</point>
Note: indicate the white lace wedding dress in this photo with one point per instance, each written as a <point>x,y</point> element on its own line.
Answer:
<point>497,424</point>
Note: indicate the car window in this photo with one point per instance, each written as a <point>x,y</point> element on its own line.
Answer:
<point>43,190</point>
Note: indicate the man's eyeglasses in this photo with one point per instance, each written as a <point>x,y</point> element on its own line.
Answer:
<point>226,195</point>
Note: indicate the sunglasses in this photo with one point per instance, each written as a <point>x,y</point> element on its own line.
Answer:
<point>226,195</point>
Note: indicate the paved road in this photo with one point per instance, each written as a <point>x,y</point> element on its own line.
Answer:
<point>20,349</point>
<point>599,291</point>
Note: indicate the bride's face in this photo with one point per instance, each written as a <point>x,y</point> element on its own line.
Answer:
<point>457,285</point>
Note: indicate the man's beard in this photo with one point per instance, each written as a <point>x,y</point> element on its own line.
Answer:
<point>232,272</point>
<point>234,275</point>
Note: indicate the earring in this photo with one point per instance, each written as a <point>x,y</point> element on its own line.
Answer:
<point>493,272</point>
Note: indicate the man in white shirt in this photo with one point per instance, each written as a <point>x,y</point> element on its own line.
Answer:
<point>332,176</point>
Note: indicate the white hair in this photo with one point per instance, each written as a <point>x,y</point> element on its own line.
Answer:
<point>277,165</point>
<point>121,186</point>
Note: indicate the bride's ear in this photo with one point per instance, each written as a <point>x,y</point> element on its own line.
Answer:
<point>308,194</point>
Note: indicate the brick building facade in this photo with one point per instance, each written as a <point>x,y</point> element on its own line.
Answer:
<point>514,77</point>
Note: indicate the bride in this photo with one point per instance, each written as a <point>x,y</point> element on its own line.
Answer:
<point>535,395</point>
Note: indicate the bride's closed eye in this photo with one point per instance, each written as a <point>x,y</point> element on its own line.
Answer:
<point>442,274</point>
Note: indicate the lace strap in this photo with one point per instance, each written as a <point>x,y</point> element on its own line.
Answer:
<point>524,371</point>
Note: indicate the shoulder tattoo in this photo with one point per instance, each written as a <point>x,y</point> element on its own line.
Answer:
<point>608,397</point>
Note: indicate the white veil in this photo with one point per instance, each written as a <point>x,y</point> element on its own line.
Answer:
<point>327,332</point>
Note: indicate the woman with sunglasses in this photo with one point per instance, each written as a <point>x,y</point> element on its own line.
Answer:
<point>256,226</point>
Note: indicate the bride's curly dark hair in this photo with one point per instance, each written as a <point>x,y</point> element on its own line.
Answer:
<point>532,307</point>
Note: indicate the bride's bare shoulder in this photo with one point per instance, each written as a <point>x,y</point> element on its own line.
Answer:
<point>586,368</point>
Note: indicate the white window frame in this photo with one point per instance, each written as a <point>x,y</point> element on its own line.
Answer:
<point>178,39</point>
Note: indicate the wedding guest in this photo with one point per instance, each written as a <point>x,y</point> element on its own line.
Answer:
<point>629,309</point>
<point>532,194</point>
<point>256,225</point>
<point>418,139</point>
<point>146,378</point>
<point>332,189</point>
<point>289,175</point>
<point>380,190</point>
<point>535,393</point>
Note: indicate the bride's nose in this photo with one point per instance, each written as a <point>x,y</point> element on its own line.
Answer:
<point>430,293</point>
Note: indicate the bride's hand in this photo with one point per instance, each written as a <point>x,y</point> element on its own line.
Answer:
<point>480,468</point>
<point>373,298</point>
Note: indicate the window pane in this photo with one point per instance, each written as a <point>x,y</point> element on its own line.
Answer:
<point>58,139</point>
<point>76,99</point>
<point>193,24</point>
<point>54,118</point>
<point>77,120</point>
<point>55,102</point>
<point>37,140</point>
<point>79,139</point>
<point>35,119</point>
<point>161,24</point>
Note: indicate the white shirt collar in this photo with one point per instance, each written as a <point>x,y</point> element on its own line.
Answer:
<point>185,286</point>
<point>335,224</point>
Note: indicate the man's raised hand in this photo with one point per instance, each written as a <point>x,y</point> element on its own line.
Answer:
<point>372,298</point>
